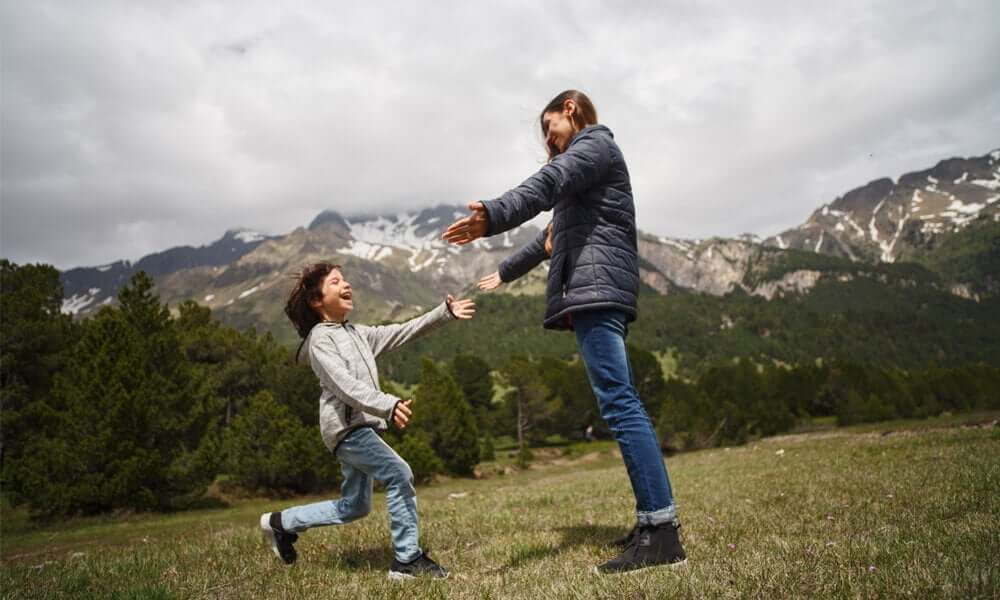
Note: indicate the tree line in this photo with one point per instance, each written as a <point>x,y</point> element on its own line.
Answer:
<point>141,408</point>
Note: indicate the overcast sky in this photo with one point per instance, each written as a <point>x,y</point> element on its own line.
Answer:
<point>128,128</point>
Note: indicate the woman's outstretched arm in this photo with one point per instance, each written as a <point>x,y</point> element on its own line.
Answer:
<point>525,259</point>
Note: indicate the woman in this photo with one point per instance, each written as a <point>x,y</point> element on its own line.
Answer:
<point>592,287</point>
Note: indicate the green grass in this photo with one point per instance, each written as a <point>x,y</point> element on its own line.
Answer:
<point>889,512</point>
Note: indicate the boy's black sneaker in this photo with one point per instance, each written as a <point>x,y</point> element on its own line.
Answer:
<point>280,540</point>
<point>421,566</point>
<point>651,546</point>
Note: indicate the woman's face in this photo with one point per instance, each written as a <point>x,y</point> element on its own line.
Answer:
<point>558,127</point>
<point>337,298</point>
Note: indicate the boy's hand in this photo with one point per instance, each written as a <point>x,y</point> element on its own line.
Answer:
<point>402,413</point>
<point>491,281</point>
<point>461,309</point>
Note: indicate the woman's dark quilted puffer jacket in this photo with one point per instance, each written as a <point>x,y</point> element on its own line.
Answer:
<point>594,249</point>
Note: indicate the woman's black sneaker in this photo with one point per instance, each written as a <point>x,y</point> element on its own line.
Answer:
<point>651,546</point>
<point>623,542</point>
<point>280,540</point>
<point>422,566</point>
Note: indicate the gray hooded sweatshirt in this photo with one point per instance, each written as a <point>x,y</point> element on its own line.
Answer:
<point>343,357</point>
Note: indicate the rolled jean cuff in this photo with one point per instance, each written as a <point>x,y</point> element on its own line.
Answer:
<point>658,517</point>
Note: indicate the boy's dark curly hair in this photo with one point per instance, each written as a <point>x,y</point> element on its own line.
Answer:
<point>307,289</point>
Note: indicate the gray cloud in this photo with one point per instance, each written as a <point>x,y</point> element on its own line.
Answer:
<point>131,127</point>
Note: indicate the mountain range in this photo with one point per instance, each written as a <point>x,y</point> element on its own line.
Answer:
<point>944,218</point>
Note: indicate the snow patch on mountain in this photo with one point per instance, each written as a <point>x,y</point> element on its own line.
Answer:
<point>248,237</point>
<point>399,232</point>
<point>990,184</point>
<point>871,224</point>
<point>78,302</point>
<point>366,251</point>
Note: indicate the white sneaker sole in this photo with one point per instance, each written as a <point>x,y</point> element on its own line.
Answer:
<point>268,534</point>
<point>397,576</point>
<point>676,565</point>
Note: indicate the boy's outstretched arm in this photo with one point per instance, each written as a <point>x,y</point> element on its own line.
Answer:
<point>385,338</point>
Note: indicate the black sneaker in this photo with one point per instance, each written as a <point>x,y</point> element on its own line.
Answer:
<point>421,566</point>
<point>624,541</point>
<point>280,540</point>
<point>651,546</point>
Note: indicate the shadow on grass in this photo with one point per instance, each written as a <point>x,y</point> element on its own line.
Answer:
<point>577,535</point>
<point>377,558</point>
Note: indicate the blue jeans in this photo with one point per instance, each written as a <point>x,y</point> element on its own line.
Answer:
<point>364,457</point>
<point>600,337</point>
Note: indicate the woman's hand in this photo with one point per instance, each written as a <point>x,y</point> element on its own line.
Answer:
<point>402,413</point>
<point>470,228</point>
<point>548,240</point>
<point>491,281</point>
<point>461,309</point>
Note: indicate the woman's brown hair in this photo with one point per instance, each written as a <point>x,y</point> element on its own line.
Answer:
<point>583,115</point>
<point>308,288</point>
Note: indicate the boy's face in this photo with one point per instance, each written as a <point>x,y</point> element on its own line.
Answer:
<point>337,299</point>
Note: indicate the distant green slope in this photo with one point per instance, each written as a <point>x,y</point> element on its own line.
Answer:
<point>971,257</point>
<point>878,316</point>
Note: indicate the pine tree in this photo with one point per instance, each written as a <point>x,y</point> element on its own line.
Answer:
<point>35,338</point>
<point>121,415</point>
<point>529,399</point>
<point>268,449</point>
<point>472,374</point>
<point>440,411</point>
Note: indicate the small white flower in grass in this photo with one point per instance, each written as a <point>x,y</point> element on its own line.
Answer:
<point>731,546</point>
<point>780,452</point>
<point>871,568</point>
<point>889,496</point>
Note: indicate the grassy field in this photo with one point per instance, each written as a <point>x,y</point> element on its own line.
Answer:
<point>877,511</point>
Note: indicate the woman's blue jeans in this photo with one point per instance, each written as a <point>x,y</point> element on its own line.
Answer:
<point>364,457</point>
<point>600,337</point>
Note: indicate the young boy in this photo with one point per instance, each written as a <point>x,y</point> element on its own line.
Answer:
<point>352,411</point>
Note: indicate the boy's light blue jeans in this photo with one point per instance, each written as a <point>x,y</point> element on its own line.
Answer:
<point>600,337</point>
<point>364,457</point>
